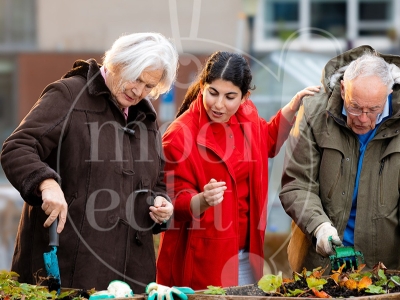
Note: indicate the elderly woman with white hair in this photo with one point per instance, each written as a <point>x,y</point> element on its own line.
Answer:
<point>90,151</point>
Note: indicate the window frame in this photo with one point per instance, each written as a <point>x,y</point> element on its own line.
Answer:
<point>306,40</point>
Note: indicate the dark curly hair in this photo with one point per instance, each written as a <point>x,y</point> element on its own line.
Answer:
<point>228,66</point>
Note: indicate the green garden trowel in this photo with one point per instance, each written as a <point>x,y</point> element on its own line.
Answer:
<point>345,255</point>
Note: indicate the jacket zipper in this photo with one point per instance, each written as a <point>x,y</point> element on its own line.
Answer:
<point>348,193</point>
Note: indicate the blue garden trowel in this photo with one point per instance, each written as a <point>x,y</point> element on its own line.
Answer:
<point>51,260</point>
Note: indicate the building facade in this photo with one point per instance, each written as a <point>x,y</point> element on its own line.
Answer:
<point>319,25</point>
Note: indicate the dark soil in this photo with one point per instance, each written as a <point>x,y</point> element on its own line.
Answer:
<point>330,288</point>
<point>247,290</point>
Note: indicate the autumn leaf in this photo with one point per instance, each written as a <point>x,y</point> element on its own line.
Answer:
<point>351,284</point>
<point>342,279</point>
<point>335,277</point>
<point>364,282</point>
<point>318,272</point>
<point>287,280</point>
<point>340,270</point>
<point>360,267</point>
<point>320,294</point>
<point>379,267</point>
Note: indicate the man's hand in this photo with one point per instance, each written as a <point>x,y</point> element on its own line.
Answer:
<point>54,204</point>
<point>322,234</point>
<point>160,292</point>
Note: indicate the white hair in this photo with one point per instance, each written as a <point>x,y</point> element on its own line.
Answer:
<point>133,53</point>
<point>369,64</point>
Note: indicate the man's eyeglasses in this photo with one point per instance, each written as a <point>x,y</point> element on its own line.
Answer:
<point>357,111</point>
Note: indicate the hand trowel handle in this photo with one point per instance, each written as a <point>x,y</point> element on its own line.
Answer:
<point>53,235</point>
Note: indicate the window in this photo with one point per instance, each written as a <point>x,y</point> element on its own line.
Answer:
<point>323,24</point>
<point>7,105</point>
<point>281,18</point>
<point>375,17</point>
<point>17,24</point>
<point>329,16</point>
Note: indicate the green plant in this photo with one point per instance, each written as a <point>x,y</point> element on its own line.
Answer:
<point>313,283</point>
<point>215,290</point>
<point>11,289</point>
<point>270,283</point>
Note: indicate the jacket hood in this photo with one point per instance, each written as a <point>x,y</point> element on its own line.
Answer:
<point>96,85</point>
<point>334,69</point>
<point>89,69</point>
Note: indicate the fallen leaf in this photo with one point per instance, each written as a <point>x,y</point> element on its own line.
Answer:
<point>360,267</point>
<point>351,284</point>
<point>364,282</point>
<point>340,270</point>
<point>320,294</point>
<point>335,277</point>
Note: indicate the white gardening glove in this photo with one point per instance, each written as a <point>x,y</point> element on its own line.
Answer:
<point>116,289</point>
<point>161,292</point>
<point>322,234</point>
<point>119,289</point>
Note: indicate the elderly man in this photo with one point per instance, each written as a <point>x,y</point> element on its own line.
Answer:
<point>342,169</point>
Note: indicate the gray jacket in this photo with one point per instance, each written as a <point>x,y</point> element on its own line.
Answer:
<point>320,171</point>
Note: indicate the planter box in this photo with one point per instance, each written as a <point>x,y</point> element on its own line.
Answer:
<point>134,297</point>
<point>201,296</point>
<point>138,296</point>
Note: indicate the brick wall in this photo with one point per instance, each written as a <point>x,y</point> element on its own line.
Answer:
<point>37,70</point>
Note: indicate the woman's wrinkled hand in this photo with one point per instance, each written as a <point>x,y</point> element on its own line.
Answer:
<point>54,204</point>
<point>162,210</point>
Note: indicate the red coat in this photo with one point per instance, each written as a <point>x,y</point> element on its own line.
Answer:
<point>203,251</point>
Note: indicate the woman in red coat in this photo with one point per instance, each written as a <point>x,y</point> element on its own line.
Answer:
<point>217,154</point>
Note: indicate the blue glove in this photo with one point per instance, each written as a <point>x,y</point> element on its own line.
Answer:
<point>160,292</point>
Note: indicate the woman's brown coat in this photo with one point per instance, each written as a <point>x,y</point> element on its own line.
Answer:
<point>109,169</point>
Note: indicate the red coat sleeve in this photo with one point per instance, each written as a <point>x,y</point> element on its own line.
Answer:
<point>180,180</point>
<point>277,131</point>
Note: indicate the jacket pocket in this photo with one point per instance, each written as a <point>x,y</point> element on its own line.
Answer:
<point>140,258</point>
<point>386,200</point>
<point>330,171</point>
<point>209,261</point>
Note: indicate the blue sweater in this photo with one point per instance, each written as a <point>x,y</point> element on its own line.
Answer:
<point>364,139</point>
